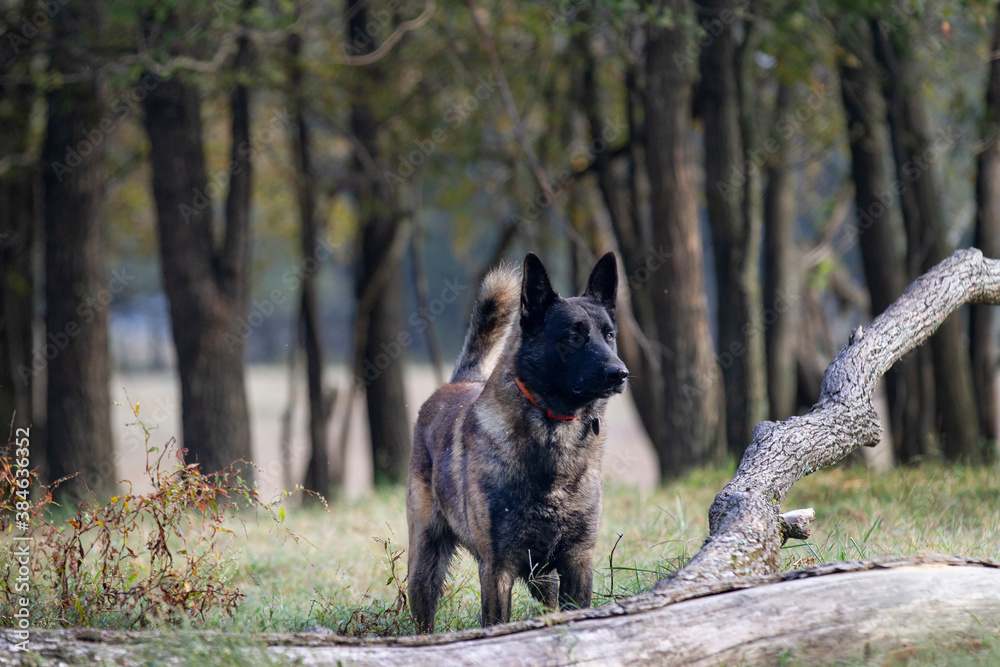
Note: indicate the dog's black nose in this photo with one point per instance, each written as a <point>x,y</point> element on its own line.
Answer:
<point>616,374</point>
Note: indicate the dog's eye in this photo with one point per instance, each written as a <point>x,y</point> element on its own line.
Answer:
<point>572,336</point>
<point>609,335</point>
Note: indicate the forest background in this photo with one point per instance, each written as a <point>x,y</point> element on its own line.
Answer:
<point>312,191</point>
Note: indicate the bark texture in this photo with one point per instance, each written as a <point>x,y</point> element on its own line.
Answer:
<point>19,186</point>
<point>206,286</point>
<point>617,181</point>
<point>77,287</point>
<point>318,470</point>
<point>735,233</point>
<point>422,287</point>
<point>842,612</point>
<point>782,273</point>
<point>378,277</point>
<point>915,150</point>
<point>691,387</point>
<point>982,344</point>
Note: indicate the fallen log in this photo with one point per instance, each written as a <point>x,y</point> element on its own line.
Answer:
<point>841,611</point>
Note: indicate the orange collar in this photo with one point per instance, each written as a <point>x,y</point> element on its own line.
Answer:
<point>548,413</point>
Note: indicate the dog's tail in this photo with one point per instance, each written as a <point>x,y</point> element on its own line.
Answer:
<point>498,302</point>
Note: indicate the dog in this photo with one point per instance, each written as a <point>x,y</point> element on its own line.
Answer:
<point>507,457</point>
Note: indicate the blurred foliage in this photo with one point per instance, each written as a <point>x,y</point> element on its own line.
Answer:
<point>444,130</point>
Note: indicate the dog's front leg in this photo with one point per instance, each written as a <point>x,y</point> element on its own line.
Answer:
<point>545,589</point>
<point>496,583</point>
<point>576,580</point>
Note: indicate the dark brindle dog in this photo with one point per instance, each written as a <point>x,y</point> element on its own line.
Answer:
<point>507,457</point>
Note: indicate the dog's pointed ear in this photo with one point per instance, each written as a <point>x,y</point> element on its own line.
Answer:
<point>603,282</point>
<point>536,292</point>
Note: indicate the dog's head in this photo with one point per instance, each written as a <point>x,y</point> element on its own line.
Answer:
<point>569,352</point>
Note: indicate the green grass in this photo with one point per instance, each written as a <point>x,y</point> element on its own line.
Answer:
<point>347,571</point>
<point>341,575</point>
<point>908,511</point>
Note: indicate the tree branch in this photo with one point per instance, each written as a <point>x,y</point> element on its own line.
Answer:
<point>362,319</point>
<point>544,182</point>
<point>228,45</point>
<point>14,160</point>
<point>390,41</point>
<point>745,532</point>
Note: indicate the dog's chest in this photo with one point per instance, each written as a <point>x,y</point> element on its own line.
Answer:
<point>543,508</point>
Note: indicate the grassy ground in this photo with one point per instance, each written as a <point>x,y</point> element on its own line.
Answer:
<point>348,571</point>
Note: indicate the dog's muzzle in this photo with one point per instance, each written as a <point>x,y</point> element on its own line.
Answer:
<point>615,377</point>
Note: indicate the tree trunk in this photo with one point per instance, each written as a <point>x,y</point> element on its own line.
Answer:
<point>77,288</point>
<point>879,229</point>
<point>735,239</point>
<point>621,200</point>
<point>753,330</point>
<point>234,259</point>
<point>424,299</point>
<point>914,149</point>
<point>18,220</point>
<point>318,469</point>
<point>206,288</point>
<point>692,388</point>
<point>382,372</point>
<point>987,238</point>
<point>782,273</point>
